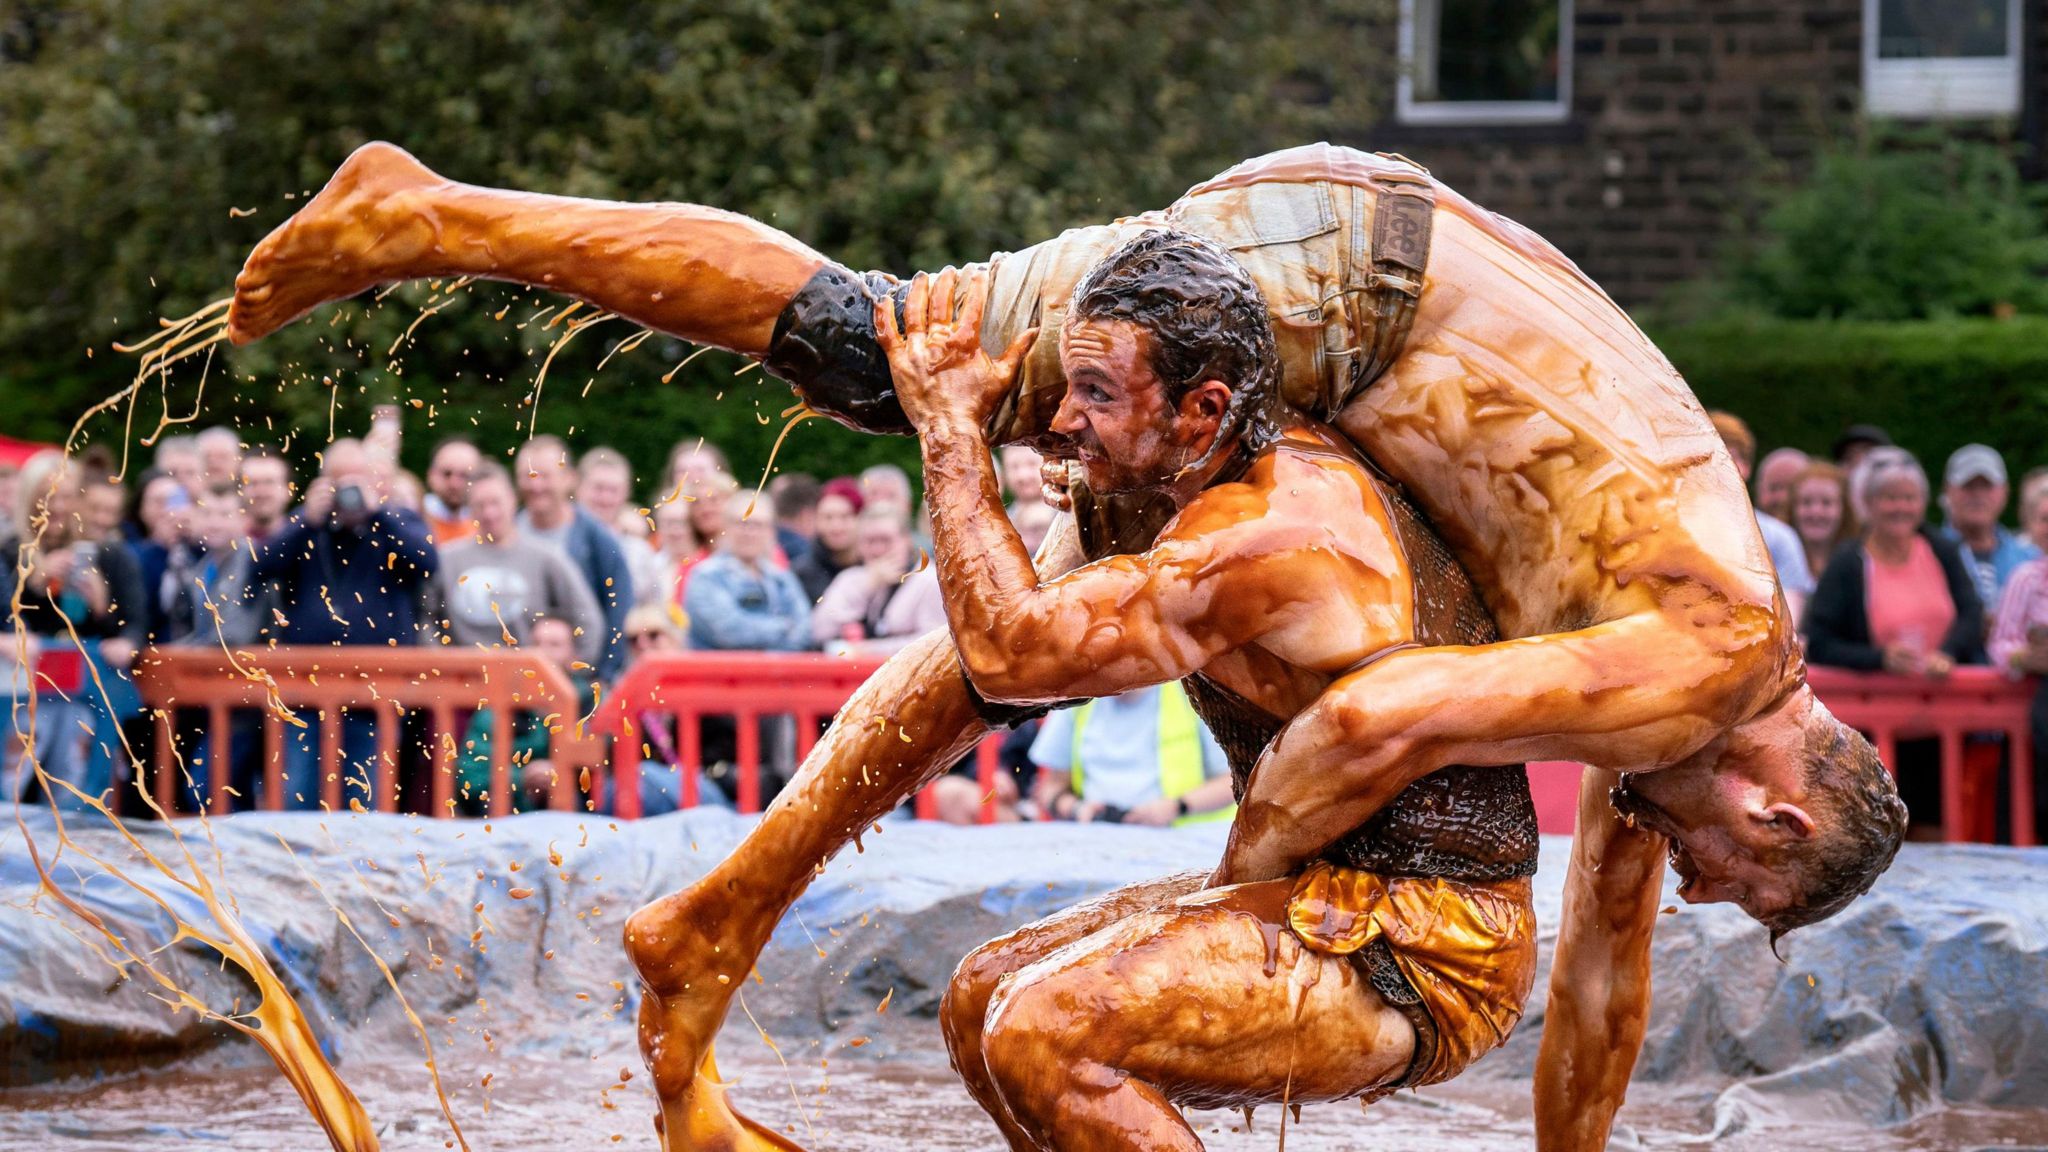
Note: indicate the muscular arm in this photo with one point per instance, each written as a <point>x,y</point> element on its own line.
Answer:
<point>1632,694</point>
<point>1117,624</point>
<point>1600,978</point>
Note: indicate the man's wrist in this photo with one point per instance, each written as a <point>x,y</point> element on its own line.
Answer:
<point>953,430</point>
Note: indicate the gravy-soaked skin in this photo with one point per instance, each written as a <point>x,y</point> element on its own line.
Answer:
<point>1552,447</point>
<point>1399,960</point>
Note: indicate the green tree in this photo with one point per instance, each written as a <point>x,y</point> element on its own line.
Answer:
<point>1899,226</point>
<point>146,146</point>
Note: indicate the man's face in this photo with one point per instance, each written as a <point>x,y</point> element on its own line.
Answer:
<point>166,511</point>
<point>544,478</point>
<point>555,641</point>
<point>491,504</point>
<point>183,466</point>
<point>1975,503</point>
<point>219,457</point>
<point>219,523</point>
<point>1115,414</point>
<point>603,491</point>
<point>266,486</point>
<point>1717,857</point>
<point>1733,812</point>
<point>448,474</point>
<point>1774,480</point>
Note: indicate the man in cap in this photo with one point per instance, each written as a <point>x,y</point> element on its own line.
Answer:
<point>1974,491</point>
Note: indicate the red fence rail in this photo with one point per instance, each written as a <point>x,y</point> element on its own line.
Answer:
<point>809,688</point>
<point>1969,701</point>
<point>323,682</point>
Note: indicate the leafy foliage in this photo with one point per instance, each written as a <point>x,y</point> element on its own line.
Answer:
<point>1901,226</point>
<point>1935,385</point>
<point>897,135</point>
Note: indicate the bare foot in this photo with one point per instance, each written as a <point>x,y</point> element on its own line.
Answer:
<point>692,958</point>
<point>364,228</point>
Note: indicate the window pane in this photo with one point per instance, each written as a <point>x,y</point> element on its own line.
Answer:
<point>1486,50</point>
<point>1942,29</point>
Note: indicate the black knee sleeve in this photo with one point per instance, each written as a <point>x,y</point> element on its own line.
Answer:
<point>825,346</point>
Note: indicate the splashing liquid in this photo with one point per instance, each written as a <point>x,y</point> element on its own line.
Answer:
<point>276,1022</point>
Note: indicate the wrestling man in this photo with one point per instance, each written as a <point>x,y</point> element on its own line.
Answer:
<point>1554,449</point>
<point>1406,950</point>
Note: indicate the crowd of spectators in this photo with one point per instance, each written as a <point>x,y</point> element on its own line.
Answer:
<point>219,543</point>
<point>1877,586</point>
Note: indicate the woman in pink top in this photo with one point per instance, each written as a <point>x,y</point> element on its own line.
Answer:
<point>2019,639</point>
<point>1898,599</point>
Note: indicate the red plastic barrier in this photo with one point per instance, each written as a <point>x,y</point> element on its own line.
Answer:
<point>1970,700</point>
<point>328,680</point>
<point>746,686</point>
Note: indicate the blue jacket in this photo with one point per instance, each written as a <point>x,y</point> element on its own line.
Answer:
<point>733,607</point>
<point>597,555</point>
<point>372,579</point>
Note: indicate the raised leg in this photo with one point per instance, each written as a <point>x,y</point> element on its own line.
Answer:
<point>1209,1003</point>
<point>965,1007</point>
<point>699,273</point>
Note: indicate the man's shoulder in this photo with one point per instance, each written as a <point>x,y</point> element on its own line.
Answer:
<point>1292,478</point>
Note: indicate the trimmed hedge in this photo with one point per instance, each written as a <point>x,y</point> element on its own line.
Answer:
<point>1935,385</point>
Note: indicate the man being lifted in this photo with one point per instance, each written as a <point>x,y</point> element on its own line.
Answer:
<point>1405,951</point>
<point>1553,448</point>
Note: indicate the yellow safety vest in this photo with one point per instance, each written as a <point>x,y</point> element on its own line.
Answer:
<point>1180,751</point>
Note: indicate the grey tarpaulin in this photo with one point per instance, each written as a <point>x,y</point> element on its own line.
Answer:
<point>1932,988</point>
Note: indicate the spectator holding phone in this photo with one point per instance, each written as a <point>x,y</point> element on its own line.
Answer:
<point>70,586</point>
<point>349,571</point>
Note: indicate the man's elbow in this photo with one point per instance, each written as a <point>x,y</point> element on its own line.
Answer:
<point>1003,678</point>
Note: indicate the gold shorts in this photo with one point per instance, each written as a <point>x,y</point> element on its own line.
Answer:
<point>1467,950</point>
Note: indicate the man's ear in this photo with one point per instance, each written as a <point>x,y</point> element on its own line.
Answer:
<point>1204,405</point>
<point>1789,817</point>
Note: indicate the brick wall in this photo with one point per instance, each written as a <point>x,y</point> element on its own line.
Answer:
<point>1678,107</point>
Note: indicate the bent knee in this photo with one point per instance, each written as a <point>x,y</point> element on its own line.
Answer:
<point>965,1005</point>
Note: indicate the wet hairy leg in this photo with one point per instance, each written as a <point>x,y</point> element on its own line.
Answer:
<point>1209,1003</point>
<point>702,274</point>
<point>964,1009</point>
<point>694,948</point>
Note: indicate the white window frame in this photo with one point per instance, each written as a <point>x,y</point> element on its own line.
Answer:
<point>1409,110</point>
<point>1956,88</point>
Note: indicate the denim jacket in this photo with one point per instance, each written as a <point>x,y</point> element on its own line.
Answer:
<point>734,606</point>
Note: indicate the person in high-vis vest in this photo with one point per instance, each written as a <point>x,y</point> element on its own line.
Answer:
<point>1140,758</point>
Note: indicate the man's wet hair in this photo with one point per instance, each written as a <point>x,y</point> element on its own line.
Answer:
<point>1206,318</point>
<point>1859,822</point>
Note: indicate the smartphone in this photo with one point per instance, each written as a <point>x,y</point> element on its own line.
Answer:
<point>85,556</point>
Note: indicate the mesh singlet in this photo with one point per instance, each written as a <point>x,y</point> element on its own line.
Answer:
<point>1460,823</point>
